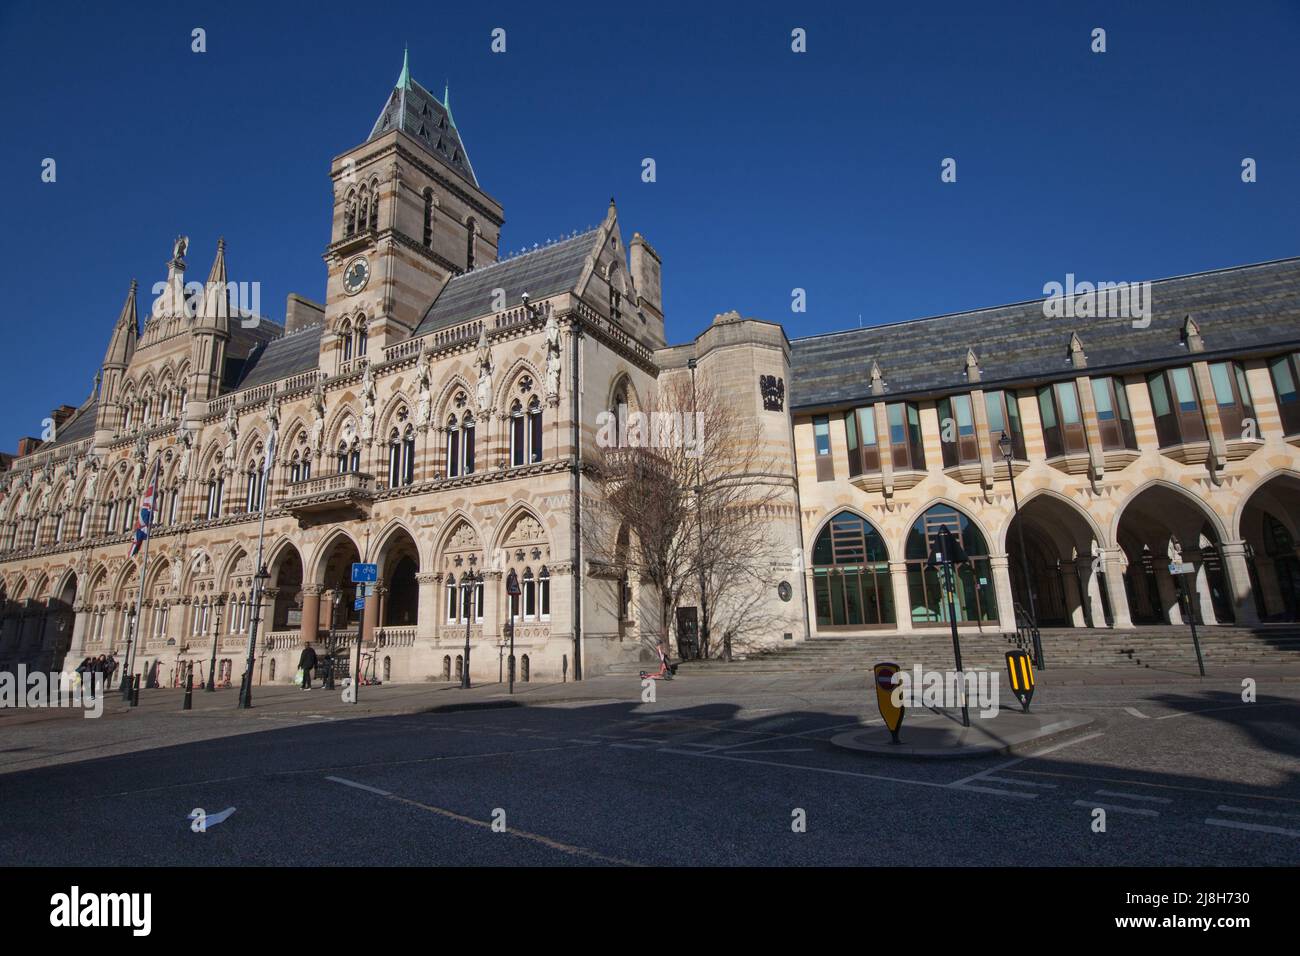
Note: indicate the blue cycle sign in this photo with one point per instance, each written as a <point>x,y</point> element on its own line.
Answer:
<point>365,573</point>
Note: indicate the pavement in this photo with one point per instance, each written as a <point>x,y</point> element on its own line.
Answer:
<point>1177,770</point>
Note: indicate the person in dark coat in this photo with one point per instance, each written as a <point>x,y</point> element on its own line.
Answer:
<point>307,661</point>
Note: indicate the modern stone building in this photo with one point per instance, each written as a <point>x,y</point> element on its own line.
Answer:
<point>437,413</point>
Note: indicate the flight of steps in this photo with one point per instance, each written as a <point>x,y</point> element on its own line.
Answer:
<point>1082,647</point>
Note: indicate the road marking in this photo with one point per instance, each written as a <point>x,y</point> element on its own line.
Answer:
<point>1258,813</point>
<point>983,774</point>
<point>1131,796</point>
<point>1211,710</point>
<point>574,740</point>
<point>1014,794</point>
<point>780,750</point>
<point>487,824</point>
<point>1113,808</point>
<point>630,746</point>
<point>798,733</point>
<point>360,786</point>
<point>1253,827</point>
<point>1159,786</point>
<point>1135,712</point>
<point>1020,783</point>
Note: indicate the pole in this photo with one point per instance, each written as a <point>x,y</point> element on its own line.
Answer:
<point>246,685</point>
<point>361,625</point>
<point>135,624</point>
<point>211,685</point>
<point>1024,569</point>
<point>944,539</point>
<point>1191,620</point>
<point>466,583</point>
<point>510,629</point>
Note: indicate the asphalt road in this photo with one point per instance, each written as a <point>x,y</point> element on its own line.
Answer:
<point>1187,774</point>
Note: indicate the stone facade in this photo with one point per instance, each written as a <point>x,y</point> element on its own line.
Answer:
<point>428,346</point>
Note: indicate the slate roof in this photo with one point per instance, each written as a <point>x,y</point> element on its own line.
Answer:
<point>546,271</point>
<point>1240,309</point>
<point>421,115</point>
<point>298,351</point>
<point>80,425</point>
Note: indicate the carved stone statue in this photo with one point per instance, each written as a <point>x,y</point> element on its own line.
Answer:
<point>318,413</point>
<point>141,458</point>
<point>232,435</point>
<point>552,357</point>
<point>424,403</point>
<point>367,405</point>
<point>179,247</point>
<point>92,477</point>
<point>187,448</point>
<point>483,363</point>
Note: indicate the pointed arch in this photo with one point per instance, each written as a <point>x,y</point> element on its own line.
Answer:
<point>507,527</point>
<point>443,405</point>
<point>389,536</point>
<point>520,367</point>
<point>392,406</point>
<point>899,544</point>
<point>316,567</point>
<point>1198,504</point>
<point>1247,493</point>
<point>1074,508</point>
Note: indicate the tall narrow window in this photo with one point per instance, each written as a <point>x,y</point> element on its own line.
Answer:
<point>544,593</point>
<point>1113,417</point>
<point>1063,432</point>
<point>428,219</point>
<point>1232,395</point>
<point>530,595</point>
<point>346,332</point>
<point>470,227</point>
<point>394,459</point>
<point>1176,406</point>
<point>1285,372</point>
<point>822,446</point>
<point>518,450</point>
<point>453,447</point>
<point>452,603</point>
<point>957,431</point>
<point>534,430</point>
<point>363,338</point>
<point>1004,416</point>
<point>408,455</point>
<point>905,436</point>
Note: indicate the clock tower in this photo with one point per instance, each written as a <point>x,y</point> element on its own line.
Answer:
<point>408,215</point>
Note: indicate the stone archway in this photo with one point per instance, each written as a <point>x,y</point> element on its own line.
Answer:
<point>1061,545</point>
<point>1161,526</point>
<point>1270,529</point>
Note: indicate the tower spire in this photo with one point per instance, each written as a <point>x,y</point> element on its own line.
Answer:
<point>404,78</point>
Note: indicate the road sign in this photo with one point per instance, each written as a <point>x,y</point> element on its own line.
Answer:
<point>1021,671</point>
<point>364,572</point>
<point>359,604</point>
<point>1185,567</point>
<point>886,678</point>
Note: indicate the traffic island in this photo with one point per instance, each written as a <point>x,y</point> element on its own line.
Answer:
<point>939,734</point>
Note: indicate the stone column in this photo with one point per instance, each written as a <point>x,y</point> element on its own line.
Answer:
<point>1243,602</point>
<point>1113,567</point>
<point>1266,572</point>
<point>1093,597</point>
<point>370,618</point>
<point>902,599</point>
<point>80,628</point>
<point>1073,598</point>
<point>1001,565</point>
<point>426,614</point>
<point>311,594</point>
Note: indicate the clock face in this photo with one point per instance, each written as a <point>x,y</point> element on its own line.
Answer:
<point>355,275</point>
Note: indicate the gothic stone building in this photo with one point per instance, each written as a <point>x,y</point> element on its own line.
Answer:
<point>435,416</point>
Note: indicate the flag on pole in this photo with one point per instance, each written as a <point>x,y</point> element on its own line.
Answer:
<point>145,518</point>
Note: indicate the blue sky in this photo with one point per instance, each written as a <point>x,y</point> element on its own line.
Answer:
<point>775,170</point>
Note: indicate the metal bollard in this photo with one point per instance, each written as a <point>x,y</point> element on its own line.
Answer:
<point>188,702</point>
<point>135,691</point>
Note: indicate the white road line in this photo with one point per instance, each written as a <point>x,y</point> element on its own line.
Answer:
<point>630,746</point>
<point>1113,808</point>
<point>1014,794</point>
<point>983,774</point>
<point>1020,783</point>
<point>574,740</point>
<point>779,750</point>
<point>1253,827</point>
<point>1211,710</point>
<point>1131,796</point>
<point>795,766</point>
<point>1067,743</point>
<point>1135,712</point>
<point>1257,813</point>
<point>360,786</point>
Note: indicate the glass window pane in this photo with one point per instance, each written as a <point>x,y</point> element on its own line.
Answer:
<point>1283,379</point>
<point>1222,382</point>
<point>1047,407</point>
<point>1159,395</point>
<point>993,406</point>
<point>1243,387</point>
<point>851,430</point>
<point>965,418</point>
<point>897,433</point>
<point>867,424</point>
<point>1184,392</point>
<point>1068,400</point>
<point>822,434</point>
<point>1121,401</point>
<point>1101,397</point>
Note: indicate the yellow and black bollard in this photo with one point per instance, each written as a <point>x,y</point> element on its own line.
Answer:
<point>1021,671</point>
<point>891,709</point>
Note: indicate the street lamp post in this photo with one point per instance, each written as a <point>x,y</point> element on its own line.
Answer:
<point>1005,446</point>
<point>126,661</point>
<point>212,664</point>
<point>259,585</point>
<point>467,582</point>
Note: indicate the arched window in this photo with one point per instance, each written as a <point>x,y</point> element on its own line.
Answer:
<point>345,331</point>
<point>851,583</point>
<point>363,337</point>
<point>394,459</point>
<point>518,442</point>
<point>254,491</point>
<point>530,595</point>
<point>452,604</point>
<point>408,455</point>
<point>126,416</point>
<point>973,579</point>
<point>544,594</point>
<point>615,295</point>
<point>453,447</point>
<point>216,486</point>
<point>460,445</point>
<point>295,468</point>
<point>428,219</point>
<point>110,516</point>
<point>526,433</point>
<point>534,430</point>
<point>350,216</point>
<point>374,206</point>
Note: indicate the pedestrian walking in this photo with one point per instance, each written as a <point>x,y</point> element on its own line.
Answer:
<point>307,663</point>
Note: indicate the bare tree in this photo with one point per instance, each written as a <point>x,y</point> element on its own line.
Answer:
<point>687,484</point>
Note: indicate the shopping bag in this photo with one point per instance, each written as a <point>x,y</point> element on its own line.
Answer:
<point>297,678</point>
